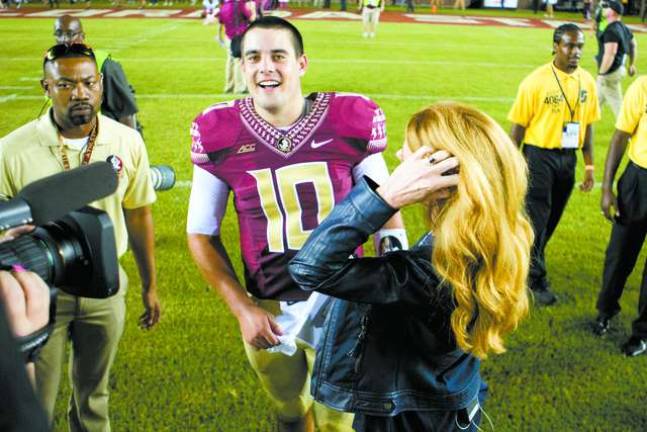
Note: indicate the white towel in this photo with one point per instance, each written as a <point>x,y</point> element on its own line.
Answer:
<point>302,320</point>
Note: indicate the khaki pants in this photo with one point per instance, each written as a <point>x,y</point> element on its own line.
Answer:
<point>610,89</point>
<point>94,326</point>
<point>370,18</point>
<point>286,379</point>
<point>234,80</point>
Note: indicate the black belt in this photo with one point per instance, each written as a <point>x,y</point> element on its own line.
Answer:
<point>553,150</point>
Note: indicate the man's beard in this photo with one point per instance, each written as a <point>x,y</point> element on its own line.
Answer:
<point>81,118</point>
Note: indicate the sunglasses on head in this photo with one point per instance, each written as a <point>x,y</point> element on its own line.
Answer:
<point>64,50</point>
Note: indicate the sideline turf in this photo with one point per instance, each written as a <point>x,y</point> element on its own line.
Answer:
<point>190,373</point>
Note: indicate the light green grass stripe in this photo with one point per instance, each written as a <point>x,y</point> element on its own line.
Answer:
<point>213,59</point>
<point>209,96</point>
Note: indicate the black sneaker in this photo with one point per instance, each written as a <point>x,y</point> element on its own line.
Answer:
<point>601,325</point>
<point>544,296</point>
<point>634,346</point>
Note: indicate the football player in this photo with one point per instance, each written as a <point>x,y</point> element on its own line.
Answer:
<point>288,159</point>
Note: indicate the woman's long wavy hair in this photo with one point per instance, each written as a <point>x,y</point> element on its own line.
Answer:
<point>482,234</point>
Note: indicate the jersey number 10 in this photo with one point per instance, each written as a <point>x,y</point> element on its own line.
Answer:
<point>281,205</point>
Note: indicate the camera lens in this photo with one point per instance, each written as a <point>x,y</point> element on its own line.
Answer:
<point>163,177</point>
<point>40,253</point>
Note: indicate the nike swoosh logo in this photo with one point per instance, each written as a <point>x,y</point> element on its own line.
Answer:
<point>316,144</point>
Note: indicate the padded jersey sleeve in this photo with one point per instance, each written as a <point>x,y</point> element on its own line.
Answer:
<point>358,117</point>
<point>212,132</point>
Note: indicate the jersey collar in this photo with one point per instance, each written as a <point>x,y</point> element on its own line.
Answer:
<point>285,142</point>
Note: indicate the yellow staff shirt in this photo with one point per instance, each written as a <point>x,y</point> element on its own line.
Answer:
<point>633,120</point>
<point>32,152</point>
<point>541,109</point>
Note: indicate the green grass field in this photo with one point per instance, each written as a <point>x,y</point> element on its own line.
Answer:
<point>190,373</point>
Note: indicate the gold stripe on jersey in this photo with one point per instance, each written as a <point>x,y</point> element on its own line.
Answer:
<point>541,109</point>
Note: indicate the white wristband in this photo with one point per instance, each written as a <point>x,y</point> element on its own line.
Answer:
<point>389,240</point>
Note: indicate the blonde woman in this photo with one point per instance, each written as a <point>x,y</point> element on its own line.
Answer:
<point>404,339</point>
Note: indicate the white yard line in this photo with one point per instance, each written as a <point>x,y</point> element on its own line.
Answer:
<point>8,98</point>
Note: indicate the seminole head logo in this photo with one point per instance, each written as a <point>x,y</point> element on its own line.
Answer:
<point>116,163</point>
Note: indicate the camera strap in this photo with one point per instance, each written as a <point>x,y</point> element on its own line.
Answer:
<point>32,344</point>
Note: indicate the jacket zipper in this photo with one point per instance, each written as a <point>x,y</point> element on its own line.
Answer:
<point>357,349</point>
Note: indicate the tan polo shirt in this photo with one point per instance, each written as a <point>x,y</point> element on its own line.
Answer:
<point>633,120</point>
<point>541,109</point>
<point>32,152</point>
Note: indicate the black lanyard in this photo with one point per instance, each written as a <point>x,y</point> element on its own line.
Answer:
<point>579,89</point>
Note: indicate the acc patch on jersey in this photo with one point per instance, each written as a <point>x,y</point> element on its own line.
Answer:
<point>116,163</point>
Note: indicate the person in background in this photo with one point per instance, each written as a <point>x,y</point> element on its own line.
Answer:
<point>119,101</point>
<point>628,213</point>
<point>370,10</point>
<point>616,44</point>
<point>553,116</point>
<point>235,16</point>
<point>549,8</point>
<point>210,11</point>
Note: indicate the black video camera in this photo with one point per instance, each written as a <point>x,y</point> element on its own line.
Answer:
<point>73,247</point>
<point>76,253</point>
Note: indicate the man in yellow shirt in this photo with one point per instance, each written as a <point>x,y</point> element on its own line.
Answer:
<point>69,135</point>
<point>552,117</point>
<point>628,212</point>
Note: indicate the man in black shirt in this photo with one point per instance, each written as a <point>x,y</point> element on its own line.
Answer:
<point>614,43</point>
<point>118,95</point>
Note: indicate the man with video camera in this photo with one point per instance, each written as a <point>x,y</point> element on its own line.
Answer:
<point>71,134</point>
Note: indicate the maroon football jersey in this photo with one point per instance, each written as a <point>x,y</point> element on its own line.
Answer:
<point>285,182</point>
